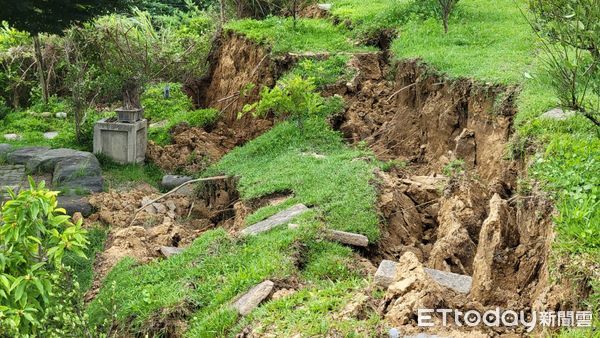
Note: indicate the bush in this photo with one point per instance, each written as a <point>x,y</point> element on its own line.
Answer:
<point>201,118</point>
<point>295,98</point>
<point>35,235</point>
<point>325,72</point>
<point>158,108</point>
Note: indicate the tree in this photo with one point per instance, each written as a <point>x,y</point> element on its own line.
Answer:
<point>40,16</point>
<point>446,8</point>
<point>570,35</point>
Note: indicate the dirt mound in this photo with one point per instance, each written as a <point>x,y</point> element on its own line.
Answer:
<point>193,149</point>
<point>174,221</point>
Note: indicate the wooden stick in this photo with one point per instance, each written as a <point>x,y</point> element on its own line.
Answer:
<point>215,178</point>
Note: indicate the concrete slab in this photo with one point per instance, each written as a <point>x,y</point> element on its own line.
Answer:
<point>348,238</point>
<point>454,281</point>
<point>275,220</point>
<point>245,304</point>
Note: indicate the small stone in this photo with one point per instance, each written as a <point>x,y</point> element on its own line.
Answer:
<point>324,7</point>
<point>50,135</point>
<point>172,181</point>
<point>12,137</point>
<point>160,208</point>
<point>61,115</point>
<point>282,293</point>
<point>77,216</point>
<point>245,304</point>
<point>348,238</point>
<point>557,114</point>
<point>169,251</point>
<point>386,273</point>
<point>171,205</point>
<point>454,281</point>
<point>293,226</point>
<point>46,114</point>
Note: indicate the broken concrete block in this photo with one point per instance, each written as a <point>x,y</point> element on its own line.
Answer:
<point>348,238</point>
<point>386,273</point>
<point>275,220</point>
<point>169,251</point>
<point>454,281</point>
<point>245,304</point>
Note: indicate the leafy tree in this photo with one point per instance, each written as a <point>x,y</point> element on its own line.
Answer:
<point>570,34</point>
<point>41,16</point>
<point>34,236</point>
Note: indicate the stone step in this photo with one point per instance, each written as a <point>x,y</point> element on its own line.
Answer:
<point>275,220</point>
<point>348,238</point>
<point>245,304</point>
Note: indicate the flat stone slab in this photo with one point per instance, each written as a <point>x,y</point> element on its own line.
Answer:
<point>11,177</point>
<point>348,238</point>
<point>386,273</point>
<point>279,218</point>
<point>245,304</point>
<point>454,281</point>
<point>12,137</point>
<point>169,251</point>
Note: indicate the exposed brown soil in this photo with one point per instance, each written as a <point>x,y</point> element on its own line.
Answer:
<point>472,223</point>
<point>193,149</point>
<point>174,221</point>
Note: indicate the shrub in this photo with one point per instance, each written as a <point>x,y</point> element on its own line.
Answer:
<point>201,118</point>
<point>324,72</point>
<point>157,107</point>
<point>35,235</point>
<point>295,98</point>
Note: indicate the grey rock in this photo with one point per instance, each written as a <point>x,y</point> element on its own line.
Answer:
<point>24,155</point>
<point>324,7</point>
<point>348,238</point>
<point>61,115</point>
<point>46,161</point>
<point>73,204</point>
<point>245,304</point>
<point>454,281</point>
<point>78,172</point>
<point>275,220</point>
<point>5,148</point>
<point>169,251</point>
<point>557,114</point>
<point>386,273</point>
<point>171,181</point>
<point>50,135</point>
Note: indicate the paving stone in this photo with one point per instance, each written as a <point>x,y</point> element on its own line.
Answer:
<point>324,7</point>
<point>12,137</point>
<point>454,281</point>
<point>61,115</point>
<point>245,304</point>
<point>50,135</point>
<point>386,273</point>
<point>169,251</point>
<point>348,238</point>
<point>275,220</point>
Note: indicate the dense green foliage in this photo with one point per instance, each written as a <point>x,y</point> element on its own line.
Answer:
<point>35,236</point>
<point>323,72</point>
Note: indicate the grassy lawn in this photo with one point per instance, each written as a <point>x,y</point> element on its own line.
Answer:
<point>310,35</point>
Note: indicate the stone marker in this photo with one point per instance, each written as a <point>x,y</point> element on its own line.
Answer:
<point>386,273</point>
<point>275,220</point>
<point>61,115</point>
<point>324,7</point>
<point>172,181</point>
<point>169,251</point>
<point>454,281</point>
<point>50,135</point>
<point>245,304</point>
<point>348,238</point>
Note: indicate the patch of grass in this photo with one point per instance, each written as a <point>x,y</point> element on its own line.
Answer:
<point>202,279</point>
<point>158,108</point>
<point>83,268</point>
<point>310,35</point>
<point>116,175</point>
<point>311,312</point>
<point>336,183</point>
<point>194,118</point>
<point>323,72</point>
<point>485,42</point>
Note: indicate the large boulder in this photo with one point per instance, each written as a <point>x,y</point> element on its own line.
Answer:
<point>73,204</point>
<point>78,172</point>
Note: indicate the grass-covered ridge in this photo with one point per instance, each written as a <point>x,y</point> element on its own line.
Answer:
<point>309,35</point>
